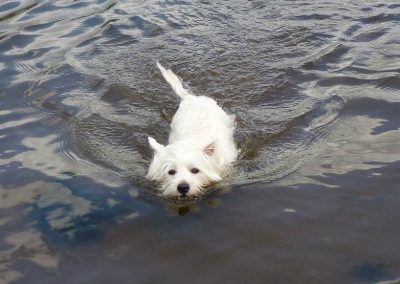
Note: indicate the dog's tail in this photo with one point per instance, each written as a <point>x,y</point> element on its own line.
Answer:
<point>174,81</point>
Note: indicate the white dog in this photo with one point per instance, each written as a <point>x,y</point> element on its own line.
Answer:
<point>201,147</point>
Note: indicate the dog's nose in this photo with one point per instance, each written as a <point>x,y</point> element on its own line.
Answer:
<point>183,188</point>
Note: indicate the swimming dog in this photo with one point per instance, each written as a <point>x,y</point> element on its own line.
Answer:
<point>201,147</point>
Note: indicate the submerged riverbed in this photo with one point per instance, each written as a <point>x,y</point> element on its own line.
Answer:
<point>315,87</point>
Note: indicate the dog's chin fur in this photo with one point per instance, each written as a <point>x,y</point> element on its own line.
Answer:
<point>201,138</point>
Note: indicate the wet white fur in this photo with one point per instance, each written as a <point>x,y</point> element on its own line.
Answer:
<point>201,137</point>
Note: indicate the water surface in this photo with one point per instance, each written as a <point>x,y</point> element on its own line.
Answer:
<point>315,89</point>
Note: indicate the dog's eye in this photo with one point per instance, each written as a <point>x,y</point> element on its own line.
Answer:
<point>171,172</point>
<point>195,171</point>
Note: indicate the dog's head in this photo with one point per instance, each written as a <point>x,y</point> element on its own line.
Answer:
<point>182,169</point>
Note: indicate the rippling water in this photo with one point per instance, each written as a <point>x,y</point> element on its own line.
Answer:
<point>315,88</point>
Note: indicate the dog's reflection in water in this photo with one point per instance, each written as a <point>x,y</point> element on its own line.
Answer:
<point>179,206</point>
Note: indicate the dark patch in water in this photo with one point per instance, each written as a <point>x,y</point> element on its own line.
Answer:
<point>373,272</point>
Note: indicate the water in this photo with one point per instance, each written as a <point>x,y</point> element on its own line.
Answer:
<point>315,88</point>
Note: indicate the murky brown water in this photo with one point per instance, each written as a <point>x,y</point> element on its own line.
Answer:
<point>314,84</point>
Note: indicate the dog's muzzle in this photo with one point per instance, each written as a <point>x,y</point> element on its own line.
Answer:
<point>183,188</point>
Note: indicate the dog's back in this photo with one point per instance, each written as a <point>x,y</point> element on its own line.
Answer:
<point>201,120</point>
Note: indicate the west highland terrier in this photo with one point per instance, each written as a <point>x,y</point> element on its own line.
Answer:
<point>201,148</point>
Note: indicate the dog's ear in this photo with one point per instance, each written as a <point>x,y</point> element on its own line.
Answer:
<point>155,145</point>
<point>209,149</point>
